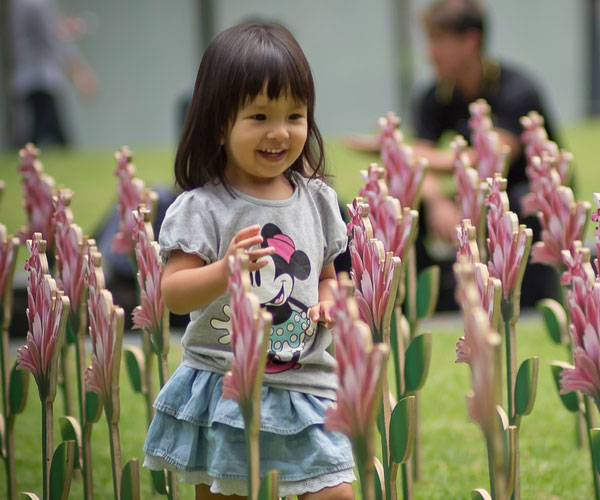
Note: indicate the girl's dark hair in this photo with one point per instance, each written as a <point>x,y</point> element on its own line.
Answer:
<point>236,65</point>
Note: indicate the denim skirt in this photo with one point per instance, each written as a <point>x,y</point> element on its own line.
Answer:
<point>200,435</point>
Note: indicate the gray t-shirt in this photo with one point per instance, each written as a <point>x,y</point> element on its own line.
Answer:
<point>307,232</point>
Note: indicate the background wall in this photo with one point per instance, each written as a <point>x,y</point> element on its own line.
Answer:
<point>145,54</point>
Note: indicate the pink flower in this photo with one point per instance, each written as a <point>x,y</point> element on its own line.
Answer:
<point>106,329</point>
<point>47,309</point>
<point>404,174</point>
<point>585,331</point>
<point>565,223</point>
<point>508,243</point>
<point>149,314</point>
<point>375,189</point>
<point>132,193</point>
<point>477,348</point>
<point>467,242</point>
<point>7,254</point>
<point>248,338</point>
<point>69,250</point>
<point>596,218</point>
<point>394,227</point>
<point>38,190</point>
<point>360,366</point>
<point>491,153</point>
<point>469,190</point>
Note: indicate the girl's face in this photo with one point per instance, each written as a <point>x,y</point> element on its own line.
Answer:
<point>266,137</point>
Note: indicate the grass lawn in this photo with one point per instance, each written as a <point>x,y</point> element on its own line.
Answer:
<point>454,459</point>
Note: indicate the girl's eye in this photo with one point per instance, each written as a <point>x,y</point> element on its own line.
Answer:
<point>259,117</point>
<point>296,116</point>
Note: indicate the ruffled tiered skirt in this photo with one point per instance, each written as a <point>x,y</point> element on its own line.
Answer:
<point>200,435</point>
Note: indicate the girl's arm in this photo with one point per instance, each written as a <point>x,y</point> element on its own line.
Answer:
<point>321,310</point>
<point>188,283</point>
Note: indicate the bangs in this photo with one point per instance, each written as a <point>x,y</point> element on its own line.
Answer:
<point>269,56</point>
<point>282,76</point>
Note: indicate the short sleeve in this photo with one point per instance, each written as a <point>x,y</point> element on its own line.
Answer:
<point>332,223</point>
<point>189,226</point>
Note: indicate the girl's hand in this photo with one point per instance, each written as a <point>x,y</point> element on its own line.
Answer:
<point>247,238</point>
<point>321,311</point>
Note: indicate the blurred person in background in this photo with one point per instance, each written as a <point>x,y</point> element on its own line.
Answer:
<point>463,73</point>
<point>43,58</point>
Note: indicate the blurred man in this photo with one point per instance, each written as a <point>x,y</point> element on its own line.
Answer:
<point>456,40</point>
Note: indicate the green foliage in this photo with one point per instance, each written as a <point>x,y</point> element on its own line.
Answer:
<point>595,434</point>
<point>93,407</point>
<point>569,400</point>
<point>159,481</point>
<point>61,470</point>
<point>402,430</point>
<point>70,431</point>
<point>130,481</point>
<point>555,319</point>
<point>526,386</point>
<point>134,362</point>
<point>269,486</point>
<point>416,366</point>
<point>18,387</point>
<point>428,289</point>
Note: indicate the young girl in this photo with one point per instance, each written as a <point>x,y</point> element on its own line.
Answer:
<point>250,161</point>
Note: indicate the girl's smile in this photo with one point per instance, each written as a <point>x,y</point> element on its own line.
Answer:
<point>266,138</point>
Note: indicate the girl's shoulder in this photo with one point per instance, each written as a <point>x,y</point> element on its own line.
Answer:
<point>317,189</point>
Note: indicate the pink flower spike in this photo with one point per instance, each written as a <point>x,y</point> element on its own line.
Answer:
<point>404,174</point>
<point>38,190</point>
<point>360,367</point>
<point>46,313</point>
<point>596,218</point>
<point>491,153</point>
<point>479,348</point>
<point>149,314</point>
<point>249,340</point>
<point>467,242</point>
<point>584,305</point>
<point>106,332</point>
<point>8,251</point>
<point>508,243</point>
<point>132,192</point>
<point>564,223</point>
<point>69,250</point>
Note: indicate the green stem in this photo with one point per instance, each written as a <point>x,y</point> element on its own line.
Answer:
<point>47,446</point>
<point>86,451</point>
<point>8,445</point>
<point>163,375</point>
<point>115,456</point>
<point>147,348</point>
<point>364,464</point>
<point>384,450</point>
<point>589,425</point>
<point>509,339</point>
<point>253,457</point>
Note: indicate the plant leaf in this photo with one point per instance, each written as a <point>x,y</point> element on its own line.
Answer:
<point>428,290</point>
<point>269,486</point>
<point>480,494</point>
<point>526,386</point>
<point>70,430</point>
<point>555,319</point>
<point>418,356</point>
<point>159,481</point>
<point>402,430</point>
<point>61,470</point>
<point>569,400</point>
<point>18,387</point>
<point>130,480</point>
<point>93,407</point>
<point>134,362</point>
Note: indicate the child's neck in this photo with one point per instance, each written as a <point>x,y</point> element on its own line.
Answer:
<point>278,188</point>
